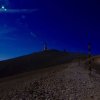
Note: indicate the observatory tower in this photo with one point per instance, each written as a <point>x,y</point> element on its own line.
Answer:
<point>45,47</point>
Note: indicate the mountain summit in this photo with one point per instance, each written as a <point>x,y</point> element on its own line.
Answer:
<point>34,61</point>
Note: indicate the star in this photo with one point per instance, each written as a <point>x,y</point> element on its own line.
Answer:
<point>23,17</point>
<point>3,8</point>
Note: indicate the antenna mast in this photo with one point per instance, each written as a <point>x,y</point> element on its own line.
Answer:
<point>89,56</point>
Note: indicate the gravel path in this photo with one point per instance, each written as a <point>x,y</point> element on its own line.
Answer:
<point>70,82</point>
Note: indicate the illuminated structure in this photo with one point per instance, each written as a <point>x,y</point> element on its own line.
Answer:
<point>45,47</point>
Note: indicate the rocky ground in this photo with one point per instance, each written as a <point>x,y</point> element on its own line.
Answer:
<point>64,82</point>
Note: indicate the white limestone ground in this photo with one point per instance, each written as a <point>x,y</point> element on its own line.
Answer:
<point>64,82</point>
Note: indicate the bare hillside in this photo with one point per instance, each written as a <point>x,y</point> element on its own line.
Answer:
<point>35,61</point>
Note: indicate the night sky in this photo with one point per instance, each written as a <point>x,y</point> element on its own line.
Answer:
<point>26,24</point>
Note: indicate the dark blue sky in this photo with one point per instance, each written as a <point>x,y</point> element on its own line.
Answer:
<point>63,24</point>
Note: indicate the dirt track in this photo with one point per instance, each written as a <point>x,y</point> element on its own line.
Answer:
<point>64,82</point>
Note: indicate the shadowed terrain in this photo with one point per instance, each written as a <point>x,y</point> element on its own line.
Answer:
<point>35,61</point>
